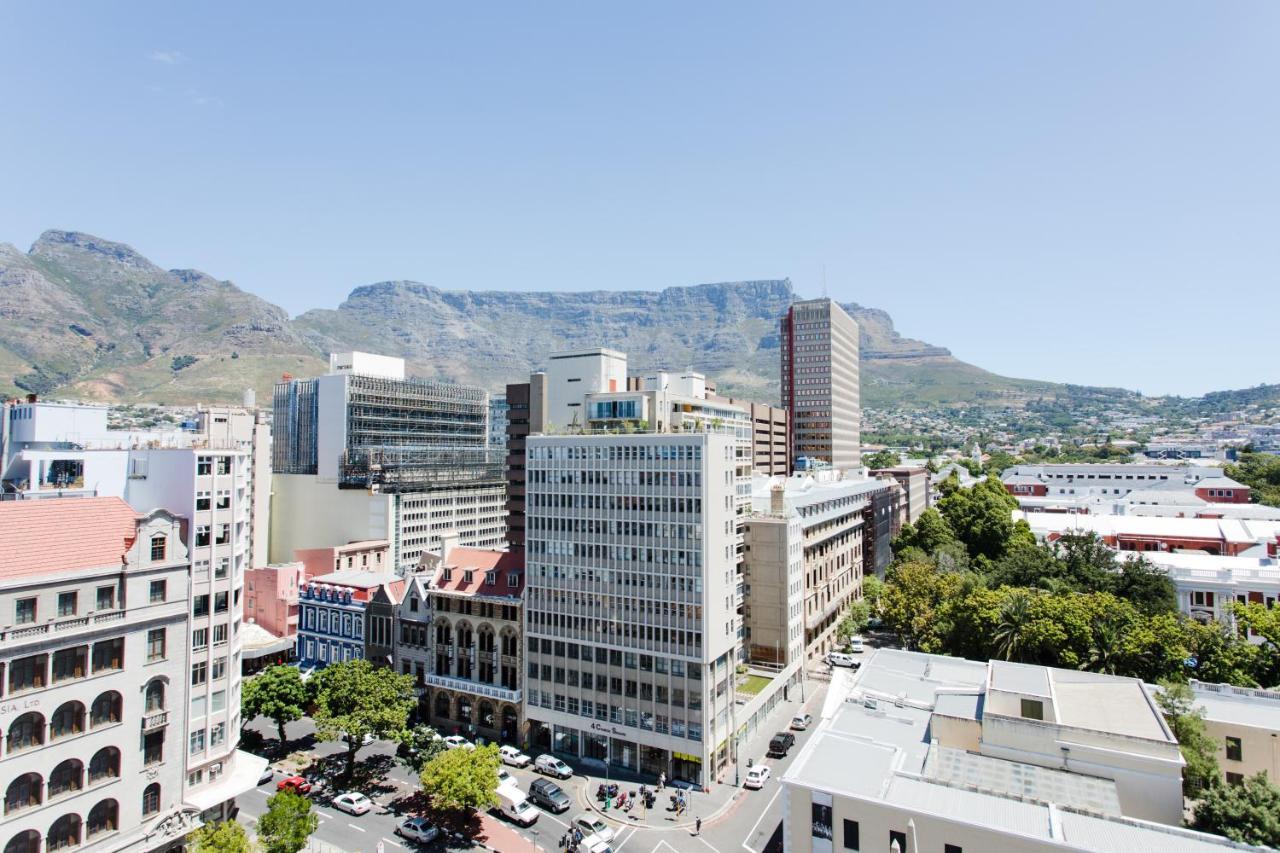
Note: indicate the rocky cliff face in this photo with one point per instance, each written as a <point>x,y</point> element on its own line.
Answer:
<point>90,317</point>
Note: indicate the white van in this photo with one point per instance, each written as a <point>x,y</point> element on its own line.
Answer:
<point>515,806</point>
<point>842,659</point>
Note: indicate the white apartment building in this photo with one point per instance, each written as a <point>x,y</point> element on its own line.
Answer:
<point>1207,584</point>
<point>247,430</point>
<point>634,595</point>
<point>918,752</point>
<point>570,376</point>
<point>1245,724</point>
<point>98,705</point>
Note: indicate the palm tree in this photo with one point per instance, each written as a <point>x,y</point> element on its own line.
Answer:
<point>1104,648</point>
<point>1015,613</point>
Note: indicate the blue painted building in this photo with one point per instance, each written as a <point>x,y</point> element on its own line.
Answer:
<point>335,619</point>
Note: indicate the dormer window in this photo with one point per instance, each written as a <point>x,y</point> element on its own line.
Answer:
<point>159,545</point>
<point>513,580</point>
<point>467,576</point>
<point>490,578</point>
<point>447,574</point>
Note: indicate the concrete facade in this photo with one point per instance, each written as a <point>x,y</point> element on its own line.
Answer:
<point>820,383</point>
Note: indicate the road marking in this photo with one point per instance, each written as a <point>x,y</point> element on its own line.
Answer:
<point>556,819</point>
<point>623,842</point>
<point>260,791</point>
<point>386,840</point>
<point>706,842</point>
<point>756,825</point>
<point>356,828</point>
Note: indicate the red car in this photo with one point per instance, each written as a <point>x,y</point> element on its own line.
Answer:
<point>294,783</point>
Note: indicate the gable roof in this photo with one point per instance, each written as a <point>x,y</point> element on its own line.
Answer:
<point>63,534</point>
<point>480,561</point>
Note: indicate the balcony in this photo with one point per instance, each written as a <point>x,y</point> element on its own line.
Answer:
<point>479,688</point>
<point>154,720</point>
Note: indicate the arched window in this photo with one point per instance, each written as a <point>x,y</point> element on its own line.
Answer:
<point>67,776</point>
<point>67,720</point>
<point>104,765</point>
<point>105,709</point>
<point>151,799</point>
<point>486,639</point>
<point>155,696</point>
<point>64,833</point>
<point>464,635</point>
<point>26,731</point>
<point>24,842</point>
<point>442,706</point>
<point>104,817</point>
<point>23,792</point>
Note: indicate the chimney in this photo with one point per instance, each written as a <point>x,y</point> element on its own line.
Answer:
<point>777,503</point>
<point>1273,548</point>
<point>31,398</point>
<point>448,542</point>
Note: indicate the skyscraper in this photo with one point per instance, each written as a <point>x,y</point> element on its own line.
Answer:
<point>820,383</point>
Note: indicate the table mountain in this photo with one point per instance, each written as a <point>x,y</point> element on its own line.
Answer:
<point>92,318</point>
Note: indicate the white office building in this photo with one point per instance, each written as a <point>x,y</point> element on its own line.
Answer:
<point>633,610</point>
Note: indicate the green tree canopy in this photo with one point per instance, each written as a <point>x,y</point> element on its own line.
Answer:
<point>1261,473</point>
<point>355,698</point>
<point>1187,723</point>
<point>228,836</point>
<point>982,518</point>
<point>1145,586</point>
<point>418,745</point>
<point>882,459</point>
<point>287,824</point>
<point>277,693</point>
<point>461,779</point>
<point>1248,812</point>
<point>929,533</point>
<point>855,620</point>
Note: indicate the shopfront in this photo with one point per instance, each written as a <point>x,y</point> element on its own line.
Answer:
<point>686,768</point>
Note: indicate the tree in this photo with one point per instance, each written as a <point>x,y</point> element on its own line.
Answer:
<point>872,589</point>
<point>287,824</point>
<point>982,518</point>
<point>1007,641</point>
<point>355,699</point>
<point>462,779</point>
<point>930,532</point>
<point>277,693</point>
<point>1248,812</point>
<point>417,746</point>
<point>881,459</point>
<point>1261,473</point>
<point>1089,564</point>
<point>1186,721</point>
<point>225,837</point>
<point>1145,586</point>
<point>854,622</point>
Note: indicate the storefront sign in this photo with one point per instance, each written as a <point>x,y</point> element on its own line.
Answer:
<point>684,756</point>
<point>609,730</point>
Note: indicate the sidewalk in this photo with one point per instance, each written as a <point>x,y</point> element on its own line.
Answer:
<point>722,796</point>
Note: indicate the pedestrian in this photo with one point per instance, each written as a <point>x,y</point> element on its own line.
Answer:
<point>697,826</point>
<point>662,780</point>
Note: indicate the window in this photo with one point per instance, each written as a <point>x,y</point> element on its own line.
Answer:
<point>104,765</point>
<point>67,603</point>
<point>1033,709</point>
<point>218,701</point>
<point>64,833</point>
<point>200,607</point>
<point>851,835</point>
<point>155,697</point>
<point>68,720</point>
<point>70,663</point>
<point>67,776</point>
<point>155,644</point>
<point>218,734</point>
<point>25,611</point>
<point>224,464</point>
<point>151,799</point>
<point>106,598</point>
<point>158,591</point>
<point>219,635</point>
<point>219,669</point>
<point>199,673</point>
<point>159,545</point>
<point>200,638</point>
<point>1234,749</point>
<point>102,818</point>
<point>899,838</point>
<point>197,741</point>
<point>22,793</point>
<point>1235,778</point>
<point>108,654</point>
<point>27,673</point>
<point>105,709</point>
<point>25,732</point>
<point>952,848</point>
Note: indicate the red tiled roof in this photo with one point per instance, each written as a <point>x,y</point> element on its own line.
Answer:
<point>62,534</point>
<point>481,561</point>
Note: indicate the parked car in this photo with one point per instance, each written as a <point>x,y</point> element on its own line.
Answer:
<point>417,829</point>
<point>514,757</point>
<point>800,722</point>
<point>549,795</point>
<point>294,783</point>
<point>505,778</point>
<point>856,645</point>
<point>842,659</point>
<point>756,777</point>
<point>364,741</point>
<point>592,825</point>
<point>515,806</point>
<point>552,766</point>
<point>781,743</point>
<point>455,741</point>
<point>267,775</point>
<point>592,844</point>
<point>352,802</point>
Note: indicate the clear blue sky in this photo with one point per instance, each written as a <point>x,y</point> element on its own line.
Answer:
<point>1076,191</point>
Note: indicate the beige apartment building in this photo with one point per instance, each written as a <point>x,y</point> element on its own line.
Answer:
<point>820,383</point>
<point>1245,723</point>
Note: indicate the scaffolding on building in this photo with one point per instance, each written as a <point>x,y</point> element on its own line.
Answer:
<point>399,470</point>
<point>415,413</point>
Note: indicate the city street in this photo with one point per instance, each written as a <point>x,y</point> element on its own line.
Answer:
<point>733,818</point>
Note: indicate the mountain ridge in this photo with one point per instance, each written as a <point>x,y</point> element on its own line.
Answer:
<point>95,318</point>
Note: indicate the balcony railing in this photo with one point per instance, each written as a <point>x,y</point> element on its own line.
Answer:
<point>154,720</point>
<point>479,688</point>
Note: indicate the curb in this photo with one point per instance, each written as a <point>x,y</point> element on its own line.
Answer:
<point>591,805</point>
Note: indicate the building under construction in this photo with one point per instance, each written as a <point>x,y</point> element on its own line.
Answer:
<point>423,443</point>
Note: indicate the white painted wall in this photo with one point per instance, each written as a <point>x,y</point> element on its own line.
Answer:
<point>309,513</point>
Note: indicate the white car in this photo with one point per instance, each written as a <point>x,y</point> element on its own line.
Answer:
<point>505,778</point>
<point>841,659</point>
<point>418,829</point>
<point>552,766</point>
<point>514,757</point>
<point>756,777</point>
<point>592,844</point>
<point>455,741</point>
<point>353,802</point>
<point>856,645</point>
<point>592,825</point>
<point>800,722</point>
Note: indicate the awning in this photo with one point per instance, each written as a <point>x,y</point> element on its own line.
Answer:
<point>282,645</point>
<point>243,775</point>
